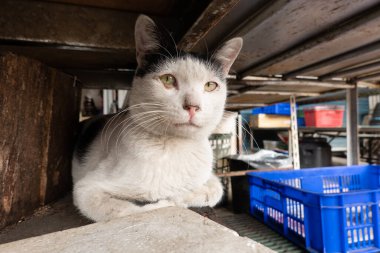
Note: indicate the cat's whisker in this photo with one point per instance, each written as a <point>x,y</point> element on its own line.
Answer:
<point>246,131</point>
<point>107,125</point>
<point>133,131</point>
<point>136,129</point>
<point>172,39</point>
<point>142,116</point>
<point>135,117</point>
<point>110,121</point>
<point>166,50</point>
<point>167,128</point>
<point>121,135</point>
<point>166,57</point>
<point>250,132</point>
<point>205,43</point>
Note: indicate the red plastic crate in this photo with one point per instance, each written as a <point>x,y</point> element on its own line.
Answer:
<point>324,116</point>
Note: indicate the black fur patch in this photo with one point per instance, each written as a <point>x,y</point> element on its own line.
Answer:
<point>154,60</point>
<point>88,131</point>
<point>167,52</point>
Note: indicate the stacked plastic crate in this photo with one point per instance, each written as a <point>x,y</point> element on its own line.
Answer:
<point>273,116</point>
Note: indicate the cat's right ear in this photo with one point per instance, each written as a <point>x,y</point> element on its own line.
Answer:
<point>146,38</point>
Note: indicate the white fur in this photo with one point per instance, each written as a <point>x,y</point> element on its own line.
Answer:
<point>143,154</point>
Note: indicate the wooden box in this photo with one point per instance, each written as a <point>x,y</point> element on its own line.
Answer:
<point>38,117</point>
<point>269,121</point>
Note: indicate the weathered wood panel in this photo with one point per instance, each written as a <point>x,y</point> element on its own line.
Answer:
<point>38,115</point>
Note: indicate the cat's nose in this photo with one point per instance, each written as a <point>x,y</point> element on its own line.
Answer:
<point>191,109</point>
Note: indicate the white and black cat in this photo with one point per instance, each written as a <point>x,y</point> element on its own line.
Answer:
<point>156,152</point>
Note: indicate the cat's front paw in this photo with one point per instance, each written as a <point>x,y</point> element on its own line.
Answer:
<point>214,192</point>
<point>163,203</point>
<point>208,195</point>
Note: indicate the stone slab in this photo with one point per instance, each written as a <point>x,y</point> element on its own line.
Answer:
<point>163,230</point>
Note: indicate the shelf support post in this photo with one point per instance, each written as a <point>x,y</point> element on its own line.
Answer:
<point>240,134</point>
<point>294,133</point>
<point>352,126</point>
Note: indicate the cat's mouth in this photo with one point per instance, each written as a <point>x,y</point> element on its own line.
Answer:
<point>186,124</point>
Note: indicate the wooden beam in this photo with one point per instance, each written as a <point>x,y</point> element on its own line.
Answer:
<point>157,7</point>
<point>282,93</point>
<point>234,105</point>
<point>351,71</point>
<point>104,79</point>
<point>301,83</point>
<point>335,59</point>
<point>374,76</point>
<point>241,173</point>
<point>356,22</point>
<point>214,12</point>
<point>70,26</point>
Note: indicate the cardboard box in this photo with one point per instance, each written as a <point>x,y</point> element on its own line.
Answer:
<point>269,121</point>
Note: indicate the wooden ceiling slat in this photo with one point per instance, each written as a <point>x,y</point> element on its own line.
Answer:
<point>214,12</point>
<point>156,7</point>
<point>354,71</point>
<point>358,30</point>
<point>65,25</point>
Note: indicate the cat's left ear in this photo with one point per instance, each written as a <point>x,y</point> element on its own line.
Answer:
<point>227,54</point>
<point>146,38</point>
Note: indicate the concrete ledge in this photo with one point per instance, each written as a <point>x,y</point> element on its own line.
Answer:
<point>164,230</point>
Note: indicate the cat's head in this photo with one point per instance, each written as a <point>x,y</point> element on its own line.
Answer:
<point>176,93</point>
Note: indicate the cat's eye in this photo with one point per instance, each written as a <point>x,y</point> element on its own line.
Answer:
<point>210,86</point>
<point>168,81</point>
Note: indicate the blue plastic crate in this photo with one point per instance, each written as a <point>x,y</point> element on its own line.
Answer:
<point>333,209</point>
<point>257,110</point>
<point>278,109</point>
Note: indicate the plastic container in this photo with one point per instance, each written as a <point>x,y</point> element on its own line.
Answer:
<point>333,209</point>
<point>375,121</point>
<point>239,185</point>
<point>258,110</point>
<point>324,116</point>
<point>300,118</point>
<point>277,109</point>
<point>221,148</point>
<point>315,152</point>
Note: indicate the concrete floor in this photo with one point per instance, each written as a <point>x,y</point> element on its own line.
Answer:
<point>57,216</point>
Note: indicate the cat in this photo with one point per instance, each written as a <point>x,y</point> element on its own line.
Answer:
<point>155,153</point>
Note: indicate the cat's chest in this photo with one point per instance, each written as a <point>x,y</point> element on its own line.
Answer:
<point>172,155</point>
<point>169,165</point>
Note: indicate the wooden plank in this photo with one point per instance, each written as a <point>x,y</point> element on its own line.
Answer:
<point>282,93</point>
<point>157,7</point>
<point>39,112</point>
<point>214,12</point>
<point>348,59</point>
<point>358,30</point>
<point>256,98</point>
<point>354,71</point>
<point>294,88</point>
<point>241,173</point>
<point>284,24</point>
<point>357,54</point>
<point>300,83</point>
<point>372,76</point>
<point>66,25</point>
